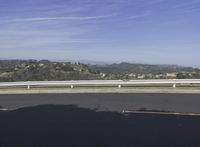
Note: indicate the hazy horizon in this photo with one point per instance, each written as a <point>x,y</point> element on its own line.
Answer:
<point>90,62</point>
<point>113,31</point>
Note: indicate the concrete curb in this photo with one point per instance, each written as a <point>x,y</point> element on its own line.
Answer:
<point>102,90</point>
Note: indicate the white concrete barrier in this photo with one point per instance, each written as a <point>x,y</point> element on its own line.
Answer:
<point>117,83</point>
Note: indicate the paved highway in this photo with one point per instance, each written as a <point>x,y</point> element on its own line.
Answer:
<point>111,102</point>
<point>48,120</point>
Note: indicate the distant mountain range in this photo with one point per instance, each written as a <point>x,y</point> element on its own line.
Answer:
<point>33,70</point>
<point>141,68</point>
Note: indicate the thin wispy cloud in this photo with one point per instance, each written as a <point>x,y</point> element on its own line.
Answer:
<point>100,29</point>
<point>33,19</point>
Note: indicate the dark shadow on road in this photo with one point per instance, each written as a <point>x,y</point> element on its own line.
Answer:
<point>68,125</point>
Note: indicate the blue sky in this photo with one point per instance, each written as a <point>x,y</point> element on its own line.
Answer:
<point>140,31</point>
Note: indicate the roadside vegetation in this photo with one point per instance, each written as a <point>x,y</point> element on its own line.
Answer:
<point>44,70</point>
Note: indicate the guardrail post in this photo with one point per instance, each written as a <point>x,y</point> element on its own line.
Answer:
<point>174,85</point>
<point>119,86</point>
<point>72,86</point>
<point>28,87</point>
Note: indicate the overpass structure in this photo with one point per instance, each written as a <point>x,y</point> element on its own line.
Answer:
<point>103,83</point>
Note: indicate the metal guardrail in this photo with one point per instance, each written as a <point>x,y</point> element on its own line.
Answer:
<point>118,83</point>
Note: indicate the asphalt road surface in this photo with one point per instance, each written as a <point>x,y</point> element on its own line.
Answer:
<point>49,120</point>
<point>108,102</point>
